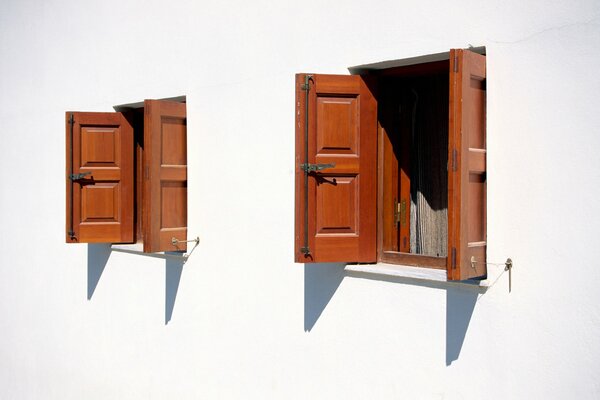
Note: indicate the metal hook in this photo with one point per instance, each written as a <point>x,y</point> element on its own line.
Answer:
<point>175,241</point>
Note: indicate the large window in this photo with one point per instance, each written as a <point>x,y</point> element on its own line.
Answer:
<point>391,166</point>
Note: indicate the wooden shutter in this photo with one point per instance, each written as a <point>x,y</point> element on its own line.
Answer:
<point>100,201</point>
<point>165,176</point>
<point>335,215</point>
<point>467,166</point>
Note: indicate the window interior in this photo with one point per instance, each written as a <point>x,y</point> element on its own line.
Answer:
<point>413,158</point>
<point>134,112</point>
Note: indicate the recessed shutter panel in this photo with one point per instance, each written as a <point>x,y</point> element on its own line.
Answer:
<point>99,178</point>
<point>467,166</point>
<point>336,167</point>
<point>165,176</point>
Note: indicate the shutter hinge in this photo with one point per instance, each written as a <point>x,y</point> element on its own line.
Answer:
<point>454,160</point>
<point>71,231</point>
<point>453,257</point>
<point>306,85</point>
<point>306,166</point>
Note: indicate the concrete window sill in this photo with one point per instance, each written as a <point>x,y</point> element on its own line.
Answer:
<point>424,275</point>
<point>138,248</point>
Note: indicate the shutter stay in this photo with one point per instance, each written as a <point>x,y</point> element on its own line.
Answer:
<point>71,233</point>
<point>306,87</point>
<point>175,241</point>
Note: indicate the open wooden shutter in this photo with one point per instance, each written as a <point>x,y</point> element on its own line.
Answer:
<point>336,123</point>
<point>165,176</point>
<point>99,178</point>
<point>467,166</point>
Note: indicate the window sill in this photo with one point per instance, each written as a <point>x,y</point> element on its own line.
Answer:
<point>426,276</point>
<point>138,248</point>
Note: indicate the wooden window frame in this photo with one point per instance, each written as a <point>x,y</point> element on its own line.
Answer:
<point>322,214</point>
<point>155,191</point>
<point>384,180</point>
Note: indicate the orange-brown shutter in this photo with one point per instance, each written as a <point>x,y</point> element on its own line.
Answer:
<point>165,176</point>
<point>336,123</point>
<point>467,166</point>
<point>99,178</point>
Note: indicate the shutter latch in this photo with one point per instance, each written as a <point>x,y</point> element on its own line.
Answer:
<point>76,177</point>
<point>400,212</point>
<point>315,167</point>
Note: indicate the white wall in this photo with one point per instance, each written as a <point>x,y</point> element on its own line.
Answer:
<point>242,320</point>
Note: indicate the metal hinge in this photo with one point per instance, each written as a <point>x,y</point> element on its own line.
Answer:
<point>306,85</point>
<point>315,167</point>
<point>76,177</point>
<point>453,258</point>
<point>454,160</point>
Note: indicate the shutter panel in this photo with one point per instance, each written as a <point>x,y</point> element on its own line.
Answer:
<point>100,204</point>
<point>467,161</point>
<point>335,215</point>
<point>165,176</point>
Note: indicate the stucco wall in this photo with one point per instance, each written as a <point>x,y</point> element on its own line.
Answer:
<point>240,319</point>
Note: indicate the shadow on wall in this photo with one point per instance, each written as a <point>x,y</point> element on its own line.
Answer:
<point>98,255</point>
<point>460,303</point>
<point>173,270</point>
<point>322,280</point>
<point>320,283</point>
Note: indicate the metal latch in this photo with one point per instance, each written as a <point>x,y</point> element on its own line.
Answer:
<point>76,177</point>
<point>315,167</point>
<point>400,212</point>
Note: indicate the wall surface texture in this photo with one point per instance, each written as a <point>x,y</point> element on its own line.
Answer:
<point>241,320</point>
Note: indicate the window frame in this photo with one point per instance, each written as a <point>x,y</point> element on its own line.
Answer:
<point>423,70</point>
<point>466,257</point>
<point>146,120</point>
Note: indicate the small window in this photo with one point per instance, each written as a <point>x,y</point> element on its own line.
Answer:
<point>127,176</point>
<point>391,166</point>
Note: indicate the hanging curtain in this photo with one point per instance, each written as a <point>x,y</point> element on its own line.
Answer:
<point>429,159</point>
